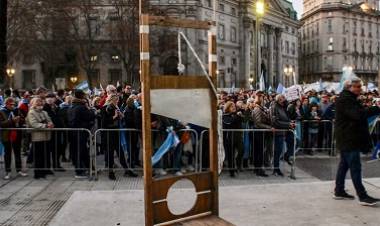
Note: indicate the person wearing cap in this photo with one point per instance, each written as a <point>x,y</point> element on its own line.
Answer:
<point>80,116</point>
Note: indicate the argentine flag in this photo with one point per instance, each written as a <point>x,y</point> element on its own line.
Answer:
<point>171,141</point>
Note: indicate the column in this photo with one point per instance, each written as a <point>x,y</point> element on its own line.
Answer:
<point>246,51</point>
<point>279,77</point>
<point>270,70</point>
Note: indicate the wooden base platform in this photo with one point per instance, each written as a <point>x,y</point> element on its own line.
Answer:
<point>205,221</point>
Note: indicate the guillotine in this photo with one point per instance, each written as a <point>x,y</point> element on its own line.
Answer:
<point>206,208</point>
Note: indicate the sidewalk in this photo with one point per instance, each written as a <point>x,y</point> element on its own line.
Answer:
<point>295,204</point>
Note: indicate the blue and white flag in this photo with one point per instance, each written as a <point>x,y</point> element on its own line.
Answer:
<point>262,82</point>
<point>376,152</point>
<point>280,89</point>
<point>171,141</point>
<point>83,86</point>
<point>270,89</point>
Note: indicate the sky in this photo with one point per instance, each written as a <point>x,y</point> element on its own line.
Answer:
<point>297,4</point>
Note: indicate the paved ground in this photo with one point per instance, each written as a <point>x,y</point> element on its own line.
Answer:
<point>296,204</point>
<point>25,201</point>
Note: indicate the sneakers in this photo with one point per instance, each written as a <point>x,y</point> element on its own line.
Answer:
<point>178,173</point>
<point>190,168</point>
<point>81,176</point>
<point>278,172</point>
<point>343,196</point>
<point>260,173</point>
<point>368,201</point>
<point>7,176</point>
<point>162,172</point>
<point>22,174</point>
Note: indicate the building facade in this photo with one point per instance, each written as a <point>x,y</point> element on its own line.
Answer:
<point>236,38</point>
<point>338,34</point>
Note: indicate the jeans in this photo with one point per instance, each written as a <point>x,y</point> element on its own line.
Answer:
<point>279,145</point>
<point>350,160</point>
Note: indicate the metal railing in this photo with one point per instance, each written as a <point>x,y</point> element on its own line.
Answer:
<point>251,134</point>
<point>45,147</point>
<point>319,136</point>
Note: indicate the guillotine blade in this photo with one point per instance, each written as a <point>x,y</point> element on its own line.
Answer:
<point>186,105</point>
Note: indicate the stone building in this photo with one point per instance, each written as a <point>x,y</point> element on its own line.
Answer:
<point>338,34</point>
<point>237,49</point>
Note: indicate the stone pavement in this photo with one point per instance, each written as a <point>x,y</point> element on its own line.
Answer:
<point>296,204</point>
<point>25,201</point>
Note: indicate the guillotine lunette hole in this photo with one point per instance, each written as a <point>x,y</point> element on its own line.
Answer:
<point>181,197</point>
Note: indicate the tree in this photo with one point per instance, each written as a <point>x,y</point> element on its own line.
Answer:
<point>3,38</point>
<point>124,35</point>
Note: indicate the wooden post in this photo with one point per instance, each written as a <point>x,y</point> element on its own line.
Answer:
<point>213,136</point>
<point>146,118</point>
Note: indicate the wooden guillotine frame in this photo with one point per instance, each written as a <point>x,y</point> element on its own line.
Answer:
<point>206,209</point>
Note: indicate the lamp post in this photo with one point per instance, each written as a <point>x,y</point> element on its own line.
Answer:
<point>259,11</point>
<point>288,70</point>
<point>73,79</point>
<point>11,72</point>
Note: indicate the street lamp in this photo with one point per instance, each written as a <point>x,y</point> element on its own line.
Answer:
<point>74,79</point>
<point>259,11</point>
<point>11,72</point>
<point>288,70</point>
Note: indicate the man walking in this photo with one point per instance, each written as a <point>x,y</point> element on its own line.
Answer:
<point>352,138</point>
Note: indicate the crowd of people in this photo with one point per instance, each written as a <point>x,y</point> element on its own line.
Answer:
<point>274,118</point>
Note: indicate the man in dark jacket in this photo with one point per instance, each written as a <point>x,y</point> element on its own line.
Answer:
<point>281,121</point>
<point>80,116</point>
<point>352,137</point>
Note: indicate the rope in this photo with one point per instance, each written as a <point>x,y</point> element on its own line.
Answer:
<point>196,57</point>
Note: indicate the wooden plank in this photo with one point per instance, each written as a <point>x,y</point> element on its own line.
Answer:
<point>179,82</point>
<point>202,182</point>
<point>162,213</point>
<point>146,124</point>
<point>182,23</point>
<point>205,221</point>
<point>213,133</point>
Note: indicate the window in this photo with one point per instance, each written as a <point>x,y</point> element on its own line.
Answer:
<point>93,58</point>
<point>29,79</point>
<point>115,58</point>
<point>208,3</point>
<point>294,48</point>
<point>233,34</point>
<point>233,11</point>
<point>222,60</point>
<point>28,59</point>
<point>354,27</point>
<point>115,75</point>
<point>344,44</point>
<point>221,7</point>
<point>221,32</point>
<point>355,49</point>
<point>329,26</point>
<point>287,47</point>
<point>362,29</point>
<point>94,26</point>
<point>331,43</point>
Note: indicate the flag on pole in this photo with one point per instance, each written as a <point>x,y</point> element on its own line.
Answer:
<point>101,87</point>
<point>280,88</point>
<point>262,82</point>
<point>117,84</point>
<point>83,86</point>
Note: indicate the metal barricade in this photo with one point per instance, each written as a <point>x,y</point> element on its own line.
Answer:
<point>109,141</point>
<point>290,141</point>
<point>316,135</point>
<point>46,149</point>
<point>132,152</point>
